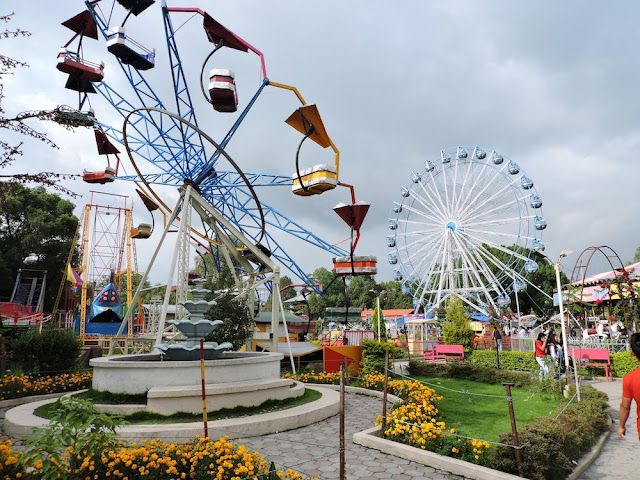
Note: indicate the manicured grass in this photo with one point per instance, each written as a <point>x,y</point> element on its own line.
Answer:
<point>487,417</point>
<point>109,398</point>
<point>140,418</point>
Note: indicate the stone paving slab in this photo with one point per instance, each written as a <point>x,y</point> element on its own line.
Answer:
<point>619,459</point>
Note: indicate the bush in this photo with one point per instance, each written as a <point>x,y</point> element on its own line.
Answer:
<point>553,447</point>
<point>373,355</point>
<point>474,373</point>
<point>53,350</point>
<point>623,363</point>
<point>521,361</point>
<point>456,329</point>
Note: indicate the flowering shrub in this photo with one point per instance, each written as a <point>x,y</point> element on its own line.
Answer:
<point>16,386</point>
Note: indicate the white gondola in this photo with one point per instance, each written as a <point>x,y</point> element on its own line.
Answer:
<point>222,89</point>
<point>513,168</point>
<point>122,47</point>
<point>531,266</point>
<point>526,183</point>
<point>538,245</point>
<point>535,201</point>
<point>391,242</point>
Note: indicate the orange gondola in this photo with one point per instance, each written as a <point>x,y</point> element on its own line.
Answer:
<point>105,147</point>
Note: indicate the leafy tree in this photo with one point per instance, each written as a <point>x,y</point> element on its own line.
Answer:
<point>36,232</point>
<point>394,298</point>
<point>456,329</point>
<point>237,320</point>
<point>362,291</point>
<point>332,293</point>
<point>636,255</point>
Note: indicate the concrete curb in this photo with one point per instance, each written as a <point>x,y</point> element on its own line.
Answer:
<point>33,398</point>
<point>589,458</point>
<point>366,438</point>
<point>20,421</point>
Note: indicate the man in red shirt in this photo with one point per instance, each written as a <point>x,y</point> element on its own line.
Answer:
<point>630,389</point>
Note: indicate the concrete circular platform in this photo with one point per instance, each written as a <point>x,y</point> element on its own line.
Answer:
<point>20,421</point>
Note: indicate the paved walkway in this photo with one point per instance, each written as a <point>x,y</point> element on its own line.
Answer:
<point>315,450</point>
<point>619,459</point>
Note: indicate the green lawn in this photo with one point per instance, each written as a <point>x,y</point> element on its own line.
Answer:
<point>487,417</point>
<point>141,418</point>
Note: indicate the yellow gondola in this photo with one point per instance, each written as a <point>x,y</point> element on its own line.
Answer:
<point>141,231</point>
<point>319,178</point>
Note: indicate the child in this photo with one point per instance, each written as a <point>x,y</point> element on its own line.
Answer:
<point>630,389</point>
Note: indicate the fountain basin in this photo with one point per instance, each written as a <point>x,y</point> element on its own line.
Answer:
<point>234,379</point>
<point>139,373</point>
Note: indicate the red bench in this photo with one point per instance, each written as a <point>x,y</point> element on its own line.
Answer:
<point>593,357</point>
<point>444,352</point>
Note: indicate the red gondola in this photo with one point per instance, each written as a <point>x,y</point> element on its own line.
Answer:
<point>71,62</point>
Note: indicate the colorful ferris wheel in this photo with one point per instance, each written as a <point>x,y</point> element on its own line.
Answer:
<point>466,225</point>
<point>163,106</point>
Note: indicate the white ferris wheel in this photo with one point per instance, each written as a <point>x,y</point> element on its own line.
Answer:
<point>465,225</point>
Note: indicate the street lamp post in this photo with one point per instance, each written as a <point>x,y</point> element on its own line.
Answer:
<point>565,343</point>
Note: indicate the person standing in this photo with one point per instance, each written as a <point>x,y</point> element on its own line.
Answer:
<point>630,390</point>
<point>497,336</point>
<point>541,354</point>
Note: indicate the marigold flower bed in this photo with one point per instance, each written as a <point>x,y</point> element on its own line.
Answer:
<point>413,421</point>
<point>202,458</point>
<point>18,386</point>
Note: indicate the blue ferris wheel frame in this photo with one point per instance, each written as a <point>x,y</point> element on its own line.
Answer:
<point>162,141</point>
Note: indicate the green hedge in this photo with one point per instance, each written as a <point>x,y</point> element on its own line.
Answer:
<point>553,447</point>
<point>474,373</point>
<point>52,351</point>
<point>520,361</point>
<point>623,363</point>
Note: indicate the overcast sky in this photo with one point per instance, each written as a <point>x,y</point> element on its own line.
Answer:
<point>550,85</point>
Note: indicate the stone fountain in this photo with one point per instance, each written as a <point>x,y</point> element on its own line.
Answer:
<point>172,378</point>
<point>195,328</point>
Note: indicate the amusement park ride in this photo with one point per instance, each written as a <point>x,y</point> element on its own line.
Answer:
<point>167,147</point>
<point>466,224</point>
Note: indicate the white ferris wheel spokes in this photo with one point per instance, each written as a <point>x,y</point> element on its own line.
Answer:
<point>465,225</point>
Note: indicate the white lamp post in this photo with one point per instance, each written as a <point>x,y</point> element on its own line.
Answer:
<point>565,343</point>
